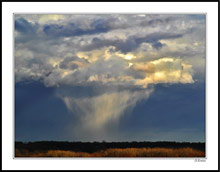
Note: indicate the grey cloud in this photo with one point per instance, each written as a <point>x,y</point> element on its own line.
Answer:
<point>158,45</point>
<point>68,62</point>
<point>132,42</point>
<point>23,26</point>
<point>72,29</point>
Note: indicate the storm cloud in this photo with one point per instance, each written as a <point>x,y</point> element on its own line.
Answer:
<point>101,66</point>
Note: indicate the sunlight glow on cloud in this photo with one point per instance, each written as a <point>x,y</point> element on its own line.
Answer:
<point>165,70</point>
<point>51,17</point>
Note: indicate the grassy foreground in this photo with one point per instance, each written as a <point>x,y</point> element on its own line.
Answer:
<point>116,152</point>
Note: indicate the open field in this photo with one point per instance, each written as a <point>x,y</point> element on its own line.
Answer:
<point>109,149</point>
<point>127,152</point>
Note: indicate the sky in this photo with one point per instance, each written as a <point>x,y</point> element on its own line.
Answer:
<point>110,77</point>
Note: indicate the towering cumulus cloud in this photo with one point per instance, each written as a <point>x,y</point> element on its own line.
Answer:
<point>102,65</point>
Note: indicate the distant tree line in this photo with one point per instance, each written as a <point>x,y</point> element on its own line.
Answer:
<point>91,147</point>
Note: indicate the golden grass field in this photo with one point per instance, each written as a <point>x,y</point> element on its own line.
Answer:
<point>126,152</point>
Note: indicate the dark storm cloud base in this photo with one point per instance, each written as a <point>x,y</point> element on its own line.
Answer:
<point>167,109</point>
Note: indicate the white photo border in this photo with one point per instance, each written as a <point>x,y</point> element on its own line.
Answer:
<point>9,163</point>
